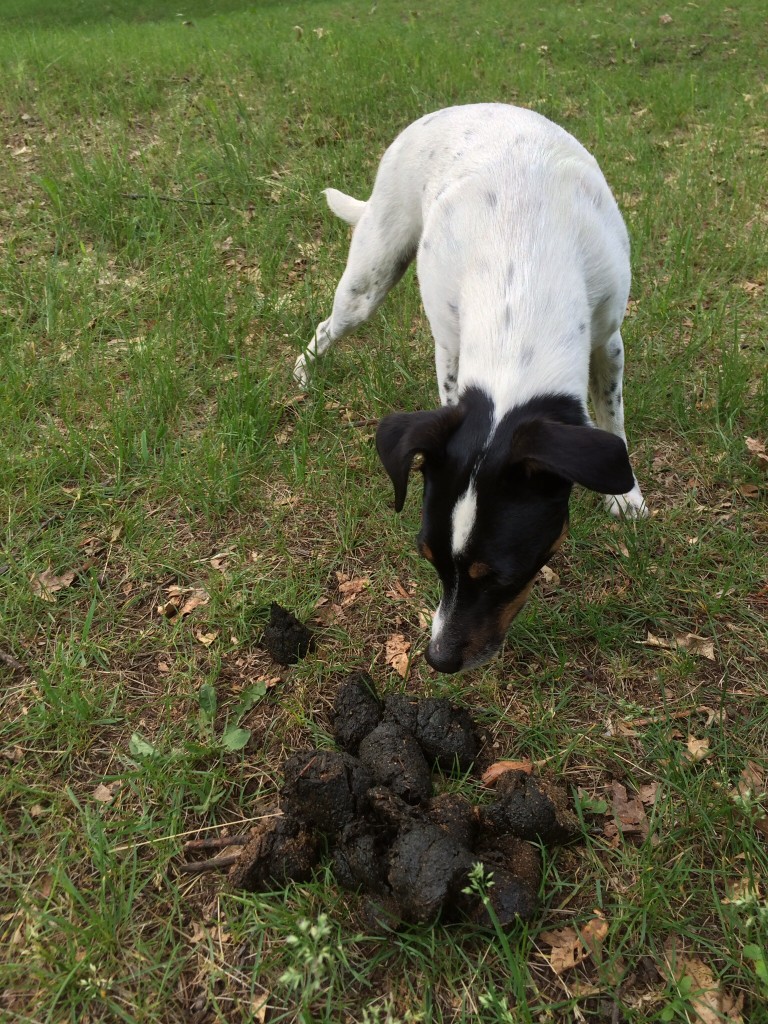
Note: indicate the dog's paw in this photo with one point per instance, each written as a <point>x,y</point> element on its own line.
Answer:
<point>627,506</point>
<point>301,371</point>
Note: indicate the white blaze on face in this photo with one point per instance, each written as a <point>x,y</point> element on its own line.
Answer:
<point>463,519</point>
<point>438,620</point>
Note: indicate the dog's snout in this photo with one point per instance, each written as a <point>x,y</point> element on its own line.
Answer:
<point>444,659</point>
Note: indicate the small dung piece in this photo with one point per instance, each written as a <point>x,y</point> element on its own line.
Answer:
<point>427,868</point>
<point>530,809</point>
<point>325,788</point>
<point>515,869</point>
<point>445,731</point>
<point>455,815</point>
<point>510,898</point>
<point>359,857</point>
<point>392,811</point>
<point>402,709</point>
<point>282,850</point>
<point>285,638</point>
<point>356,711</point>
<point>446,734</point>
<point>514,855</point>
<point>395,759</point>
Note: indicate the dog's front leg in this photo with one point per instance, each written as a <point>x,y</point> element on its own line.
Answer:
<point>606,369</point>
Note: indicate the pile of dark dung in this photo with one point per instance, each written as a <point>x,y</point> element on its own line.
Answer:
<point>371,807</point>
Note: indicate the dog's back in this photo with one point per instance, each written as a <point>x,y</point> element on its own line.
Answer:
<point>519,241</point>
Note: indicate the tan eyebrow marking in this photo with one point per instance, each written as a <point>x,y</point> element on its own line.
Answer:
<point>426,552</point>
<point>478,569</point>
<point>508,612</point>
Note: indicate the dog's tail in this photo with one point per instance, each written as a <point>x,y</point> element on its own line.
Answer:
<point>349,209</point>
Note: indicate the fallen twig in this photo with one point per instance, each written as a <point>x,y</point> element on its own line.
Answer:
<point>674,716</point>
<point>198,867</point>
<point>215,843</point>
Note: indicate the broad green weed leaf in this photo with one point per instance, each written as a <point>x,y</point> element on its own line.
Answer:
<point>139,747</point>
<point>235,738</point>
<point>251,695</point>
<point>206,698</point>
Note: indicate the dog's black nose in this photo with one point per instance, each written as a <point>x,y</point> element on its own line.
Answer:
<point>447,661</point>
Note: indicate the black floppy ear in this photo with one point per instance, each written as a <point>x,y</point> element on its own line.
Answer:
<point>403,435</point>
<point>588,456</point>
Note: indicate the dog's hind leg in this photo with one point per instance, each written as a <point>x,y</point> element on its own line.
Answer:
<point>606,369</point>
<point>383,244</point>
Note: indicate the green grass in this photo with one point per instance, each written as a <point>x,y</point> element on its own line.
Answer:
<point>164,254</point>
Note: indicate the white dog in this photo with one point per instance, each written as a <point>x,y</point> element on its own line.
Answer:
<point>523,263</point>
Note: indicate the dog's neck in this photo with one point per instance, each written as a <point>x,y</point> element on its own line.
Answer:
<point>516,350</point>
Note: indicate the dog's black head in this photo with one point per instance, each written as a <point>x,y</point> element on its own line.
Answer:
<point>495,505</point>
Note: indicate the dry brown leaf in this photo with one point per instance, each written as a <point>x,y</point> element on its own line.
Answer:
<point>350,589</point>
<point>567,949</point>
<point>647,794</point>
<point>105,794</point>
<point>749,491</point>
<point>697,645</point>
<point>327,612</point>
<point>757,450</point>
<point>397,592</point>
<point>697,750</point>
<point>628,816</point>
<point>491,775</point>
<point>710,1003</point>
<point>259,1007</point>
<point>549,581</point>
<point>570,948</point>
<point>593,935</point>
<point>47,583</point>
<point>652,640</point>
<point>743,889</point>
<point>93,546</point>
<point>182,601</point>
<point>753,783</point>
<point>690,642</point>
<point>396,653</point>
<point>751,780</point>
<point>206,639</point>
<point>20,935</point>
